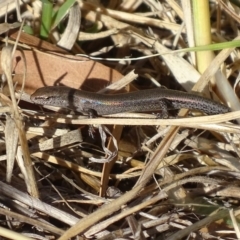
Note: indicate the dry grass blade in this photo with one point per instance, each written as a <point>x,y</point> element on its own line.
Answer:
<point>183,233</point>
<point>102,225</point>
<point>5,27</point>
<point>56,213</point>
<point>31,221</point>
<point>66,139</point>
<point>71,166</point>
<point>147,120</point>
<point>11,145</point>
<point>104,211</point>
<point>6,63</point>
<point>12,234</point>
<point>130,17</point>
<point>71,33</point>
<point>234,220</point>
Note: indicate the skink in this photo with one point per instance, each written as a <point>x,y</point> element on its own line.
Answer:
<point>139,101</point>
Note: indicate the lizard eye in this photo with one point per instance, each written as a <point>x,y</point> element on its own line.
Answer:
<point>43,97</point>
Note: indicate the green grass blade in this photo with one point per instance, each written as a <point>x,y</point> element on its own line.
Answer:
<point>61,13</point>
<point>46,20</point>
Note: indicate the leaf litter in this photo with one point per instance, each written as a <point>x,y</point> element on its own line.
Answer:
<point>171,178</point>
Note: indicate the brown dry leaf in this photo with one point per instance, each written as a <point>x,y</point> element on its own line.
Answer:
<point>35,42</point>
<point>47,69</point>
